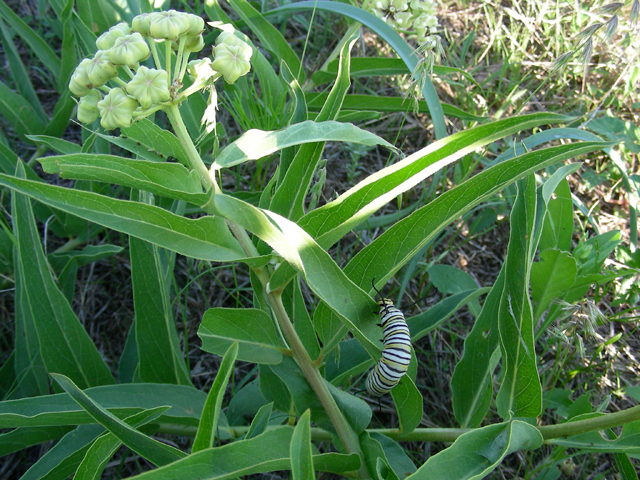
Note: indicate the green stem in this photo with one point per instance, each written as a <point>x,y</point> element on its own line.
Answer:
<point>347,436</point>
<point>154,52</point>
<point>167,52</point>
<point>447,435</point>
<point>195,162</point>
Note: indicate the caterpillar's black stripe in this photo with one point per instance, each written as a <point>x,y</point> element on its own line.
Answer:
<point>396,353</point>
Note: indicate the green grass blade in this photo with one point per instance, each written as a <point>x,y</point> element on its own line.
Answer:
<point>373,103</point>
<point>256,144</point>
<point>156,452</point>
<point>475,454</point>
<point>206,433</point>
<point>170,180</point>
<point>19,112</point>
<point>301,455</point>
<point>159,353</point>
<point>19,73</point>
<point>39,46</point>
<point>520,393</point>
<point>270,37</point>
<point>396,42</point>
<point>65,346</point>
<point>206,238</point>
<point>252,329</point>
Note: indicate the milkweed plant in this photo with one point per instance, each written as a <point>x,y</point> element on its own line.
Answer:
<point>313,330</point>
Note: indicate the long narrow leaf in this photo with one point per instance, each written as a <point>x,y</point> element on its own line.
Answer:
<point>206,238</point>
<point>211,412</point>
<point>156,452</point>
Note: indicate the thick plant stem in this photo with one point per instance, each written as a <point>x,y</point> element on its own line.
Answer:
<point>313,376</point>
<point>347,436</point>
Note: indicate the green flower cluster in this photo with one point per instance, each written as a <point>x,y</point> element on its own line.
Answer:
<point>114,86</point>
<point>415,17</point>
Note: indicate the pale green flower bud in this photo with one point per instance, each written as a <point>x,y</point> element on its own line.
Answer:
<point>196,24</point>
<point>140,24</point>
<point>116,109</point>
<point>229,38</point>
<point>79,84</point>
<point>200,70</point>
<point>194,43</point>
<point>106,40</point>
<point>149,86</point>
<point>100,68</point>
<point>231,62</point>
<point>88,107</point>
<point>129,50</point>
<point>169,24</point>
<point>423,6</point>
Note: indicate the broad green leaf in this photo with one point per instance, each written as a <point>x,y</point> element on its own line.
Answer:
<point>121,400</point>
<point>162,142</point>
<point>89,254</point>
<point>101,451</point>
<point>408,403</point>
<point>301,454</point>
<point>375,458</point>
<point>21,438</point>
<point>520,393</point>
<point>206,238</point>
<point>256,144</point>
<point>424,322</point>
<point>39,46</point>
<point>265,453</point>
<point>598,248</point>
<point>301,320</point>
<point>396,42</point>
<point>19,73</point>
<point>260,421</point>
<point>57,144</point>
<point>558,222</point>
<point>270,37</point>
<point>627,442</point>
<point>252,329</point>
<point>146,152</point>
<point>551,278</point>
<point>313,264</point>
<point>19,112</point>
<point>289,198</point>
<point>474,454</point>
<point>397,457</point>
<point>152,450</point>
<point>211,412</point>
<point>63,459</point>
<point>471,384</point>
<point>245,403</point>
<point>332,221</point>
<point>400,243</point>
<point>65,346</point>
<point>170,180</point>
<point>347,362</point>
<point>160,359</point>
<point>374,103</point>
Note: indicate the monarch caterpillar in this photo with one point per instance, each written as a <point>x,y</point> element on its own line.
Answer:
<point>396,352</point>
